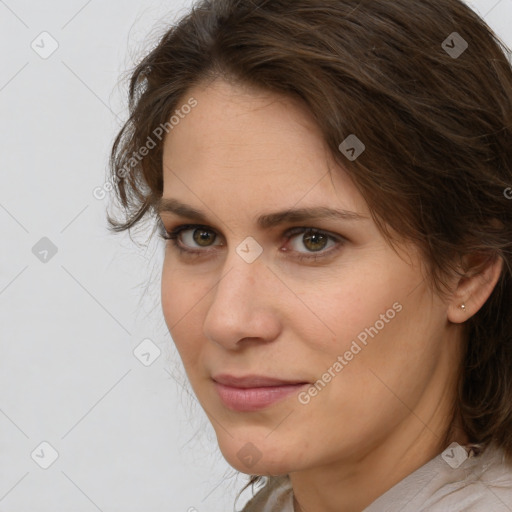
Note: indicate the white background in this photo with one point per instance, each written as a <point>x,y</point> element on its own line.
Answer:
<point>128,437</point>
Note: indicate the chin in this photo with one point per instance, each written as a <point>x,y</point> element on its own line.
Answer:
<point>255,455</point>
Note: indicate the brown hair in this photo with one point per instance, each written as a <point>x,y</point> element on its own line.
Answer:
<point>435,117</point>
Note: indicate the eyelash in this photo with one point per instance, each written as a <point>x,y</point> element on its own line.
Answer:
<point>288,235</point>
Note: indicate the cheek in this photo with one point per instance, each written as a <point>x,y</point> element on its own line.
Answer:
<point>378,323</point>
<point>386,345</point>
<point>352,305</point>
<point>181,307</point>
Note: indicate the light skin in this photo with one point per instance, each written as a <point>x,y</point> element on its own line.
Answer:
<point>240,154</point>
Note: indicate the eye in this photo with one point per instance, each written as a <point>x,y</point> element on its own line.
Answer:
<point>317,243</point>
<point>189,237</point>
<point>192,240</point>
<point>314,241</point>
<point>201,236</point>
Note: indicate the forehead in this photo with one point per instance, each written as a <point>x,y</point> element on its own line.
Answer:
<point>252,147</point>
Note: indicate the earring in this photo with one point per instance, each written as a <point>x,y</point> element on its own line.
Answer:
<point>463,307</point>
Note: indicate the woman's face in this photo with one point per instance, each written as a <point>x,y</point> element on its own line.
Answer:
<point>306,338</point>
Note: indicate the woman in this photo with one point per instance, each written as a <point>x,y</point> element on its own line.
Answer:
<point>333,180</point>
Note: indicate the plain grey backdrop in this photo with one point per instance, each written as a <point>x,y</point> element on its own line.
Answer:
<point>95,410</point>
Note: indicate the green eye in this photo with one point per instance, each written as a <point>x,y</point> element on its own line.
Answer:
<point>193,240</point>
<point>203,237</point>
<point>315,241</point>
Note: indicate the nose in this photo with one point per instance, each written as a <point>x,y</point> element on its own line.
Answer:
<point>243,306</point>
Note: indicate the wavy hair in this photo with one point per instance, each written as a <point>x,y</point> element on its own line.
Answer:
<point>427,87</point>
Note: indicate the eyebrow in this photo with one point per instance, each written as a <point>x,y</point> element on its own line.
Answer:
<point>269,220</point>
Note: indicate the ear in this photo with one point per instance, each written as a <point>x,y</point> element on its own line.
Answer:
<point>475,286</point>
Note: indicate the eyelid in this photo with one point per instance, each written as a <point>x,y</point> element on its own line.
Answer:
<point>291,232</point>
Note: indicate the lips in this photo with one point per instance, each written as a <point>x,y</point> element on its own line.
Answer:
<point>254,392</point>
<point>253,381</point>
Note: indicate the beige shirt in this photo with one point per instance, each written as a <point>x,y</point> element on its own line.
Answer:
<point>456,480</point>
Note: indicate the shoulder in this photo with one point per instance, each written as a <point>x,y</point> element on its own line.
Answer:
<point>485,484</point>
<point>275,496</point>
<point>480,483</point>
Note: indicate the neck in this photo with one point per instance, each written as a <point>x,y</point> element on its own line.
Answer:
<point>369,471</point>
